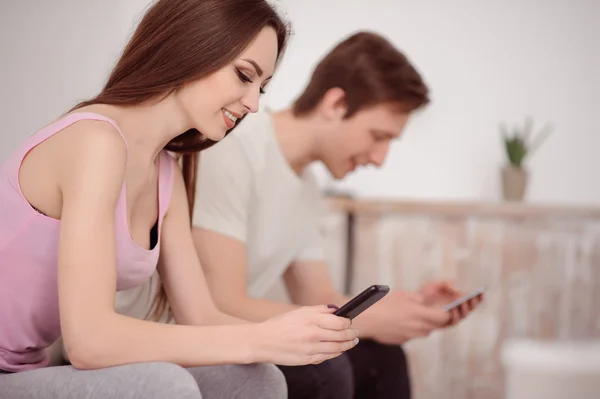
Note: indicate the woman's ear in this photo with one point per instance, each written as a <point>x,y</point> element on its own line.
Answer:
<point>333,104</point>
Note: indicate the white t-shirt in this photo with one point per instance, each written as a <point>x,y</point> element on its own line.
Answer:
<point>247,190</point>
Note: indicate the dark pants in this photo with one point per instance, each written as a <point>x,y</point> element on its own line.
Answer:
<point>368,371</point>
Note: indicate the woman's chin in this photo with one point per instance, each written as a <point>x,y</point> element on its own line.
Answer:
<point>214,134</point>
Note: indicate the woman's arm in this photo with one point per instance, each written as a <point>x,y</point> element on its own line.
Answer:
<point>91,175</point>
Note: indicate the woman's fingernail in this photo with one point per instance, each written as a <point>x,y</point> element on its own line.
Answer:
<point>330,306</point>
<point>356,341</point>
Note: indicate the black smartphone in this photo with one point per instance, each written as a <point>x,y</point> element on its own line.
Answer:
<point>362,301</point>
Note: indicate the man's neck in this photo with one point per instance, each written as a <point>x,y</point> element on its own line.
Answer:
<point>297,138</point>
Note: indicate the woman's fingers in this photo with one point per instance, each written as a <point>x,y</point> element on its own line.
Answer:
<point>337,336</point>
<point>329,348</point>
<point>333,322</point>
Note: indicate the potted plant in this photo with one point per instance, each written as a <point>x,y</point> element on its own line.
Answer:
<point>519,145</point>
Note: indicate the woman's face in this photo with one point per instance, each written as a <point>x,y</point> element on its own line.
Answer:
<point>214,103</point>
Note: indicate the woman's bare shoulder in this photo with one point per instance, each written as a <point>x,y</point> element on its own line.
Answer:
<point>91,158</point>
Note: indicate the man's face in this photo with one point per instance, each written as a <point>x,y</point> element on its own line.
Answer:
<point>362,139</point>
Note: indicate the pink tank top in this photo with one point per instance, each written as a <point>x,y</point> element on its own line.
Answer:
<point>29,318</point>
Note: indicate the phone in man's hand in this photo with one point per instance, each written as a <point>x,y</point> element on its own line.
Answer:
<point>454,304</point>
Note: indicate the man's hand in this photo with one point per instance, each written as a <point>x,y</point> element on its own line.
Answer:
<point>442,292</point>
<point>399,317</point>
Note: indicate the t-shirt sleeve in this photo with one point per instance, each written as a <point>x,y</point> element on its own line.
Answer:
<point>223,189</point>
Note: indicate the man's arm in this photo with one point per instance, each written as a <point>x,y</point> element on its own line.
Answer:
<point>223,197</point>
<point>224,262</point>
<point>223,259</point>
<point>309,283</point>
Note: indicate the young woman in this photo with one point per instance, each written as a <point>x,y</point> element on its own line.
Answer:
<point>93,203</point>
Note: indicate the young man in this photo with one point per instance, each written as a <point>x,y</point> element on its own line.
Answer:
<point>257,214</point>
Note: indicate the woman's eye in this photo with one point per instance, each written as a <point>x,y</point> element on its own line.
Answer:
<point>243,77</point>
<point>246,79</point>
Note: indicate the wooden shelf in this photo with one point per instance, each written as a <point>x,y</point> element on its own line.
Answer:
<point>458,208</point>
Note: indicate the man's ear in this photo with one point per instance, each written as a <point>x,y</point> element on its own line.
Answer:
<point>333,104</point>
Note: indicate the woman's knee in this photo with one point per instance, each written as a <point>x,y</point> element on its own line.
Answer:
<point>160,380</point>
<point>236,381</point>
<point>264,381</point>
<point>274,379</point>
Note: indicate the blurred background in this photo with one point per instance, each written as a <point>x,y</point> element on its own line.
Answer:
<point>448,203</point>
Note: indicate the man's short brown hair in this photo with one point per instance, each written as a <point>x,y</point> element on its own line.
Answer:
<point>371,71</point>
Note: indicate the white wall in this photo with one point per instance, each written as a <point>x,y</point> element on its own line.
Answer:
<point>53,54</point>
<point>486,61</point>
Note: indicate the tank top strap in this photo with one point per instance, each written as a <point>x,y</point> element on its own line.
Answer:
<point>14,163</point>
<point>67,121</point>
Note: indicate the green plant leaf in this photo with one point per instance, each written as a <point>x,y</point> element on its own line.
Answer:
<point>516,144</point>
<point>515,150</point>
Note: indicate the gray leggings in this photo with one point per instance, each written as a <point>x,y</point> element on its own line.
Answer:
<point>148,381</point>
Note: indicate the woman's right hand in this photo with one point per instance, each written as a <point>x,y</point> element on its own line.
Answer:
<point>308,335</point>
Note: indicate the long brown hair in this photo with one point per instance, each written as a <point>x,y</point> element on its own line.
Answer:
<point>177,42</point>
